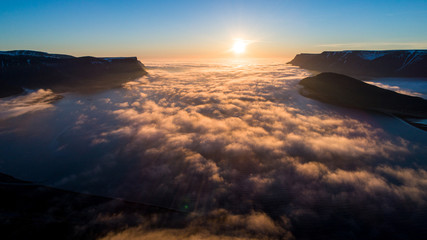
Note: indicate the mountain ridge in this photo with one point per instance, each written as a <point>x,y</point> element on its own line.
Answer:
<point>33,69</point>
<point>366,63</point>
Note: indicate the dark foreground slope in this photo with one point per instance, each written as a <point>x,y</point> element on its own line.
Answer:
<point>392,63</point>
<point>31,69</point>
<point>31,211</point>
<point>346,91</point>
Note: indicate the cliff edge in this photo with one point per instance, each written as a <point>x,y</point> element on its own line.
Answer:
<point>32,69</point>
<point>390,63</point>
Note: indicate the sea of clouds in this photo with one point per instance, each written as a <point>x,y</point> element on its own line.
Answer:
<point>237,147</point>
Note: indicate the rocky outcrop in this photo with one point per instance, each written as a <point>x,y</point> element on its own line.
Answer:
<point>32,69</point>
<point>347,91</point>
<point>393,63</point>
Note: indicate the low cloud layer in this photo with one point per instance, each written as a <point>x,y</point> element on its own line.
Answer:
<point>27,103</point>
<point>403,88</point>
<point>239,148</point>
<point>218,224</point>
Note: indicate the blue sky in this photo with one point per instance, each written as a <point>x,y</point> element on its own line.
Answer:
<point>277,28</point>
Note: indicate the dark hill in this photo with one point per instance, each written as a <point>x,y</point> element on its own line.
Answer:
<point>32,69</point>
<point>347,91</point>
<point>32,211</point>
<point>391,63</point>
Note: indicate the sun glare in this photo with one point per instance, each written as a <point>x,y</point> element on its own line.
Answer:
<point>239,46</point>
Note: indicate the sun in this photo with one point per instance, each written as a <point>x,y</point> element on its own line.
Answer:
<point>239,46</point>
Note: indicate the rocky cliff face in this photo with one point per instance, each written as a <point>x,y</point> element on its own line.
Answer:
<point>32,69</point>
<point>393,63</point>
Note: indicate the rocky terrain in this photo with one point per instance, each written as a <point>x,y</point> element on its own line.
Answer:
<point>31,69</point>
<point>392,63</point>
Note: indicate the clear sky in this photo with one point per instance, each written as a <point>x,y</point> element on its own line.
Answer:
<point>172,28</point>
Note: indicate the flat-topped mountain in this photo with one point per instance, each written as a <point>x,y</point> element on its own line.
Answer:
<point>32,69</point>
<point>347,91</point>
<point>391,63</point>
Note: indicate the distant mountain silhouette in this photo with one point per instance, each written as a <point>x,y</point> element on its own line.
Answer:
<point>347,91</point>
<point>392,63</point>
<point>32,69</point>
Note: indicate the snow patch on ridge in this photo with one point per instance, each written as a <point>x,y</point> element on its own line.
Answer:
<point>371,55</point>
<point>34,54</point>
<point>412,57</point>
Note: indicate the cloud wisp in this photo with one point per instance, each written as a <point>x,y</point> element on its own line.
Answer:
<point>32,101</point>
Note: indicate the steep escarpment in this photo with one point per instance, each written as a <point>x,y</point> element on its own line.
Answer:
<point>392,63</point>
<point>32,69</point>
<point>347,91</point>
